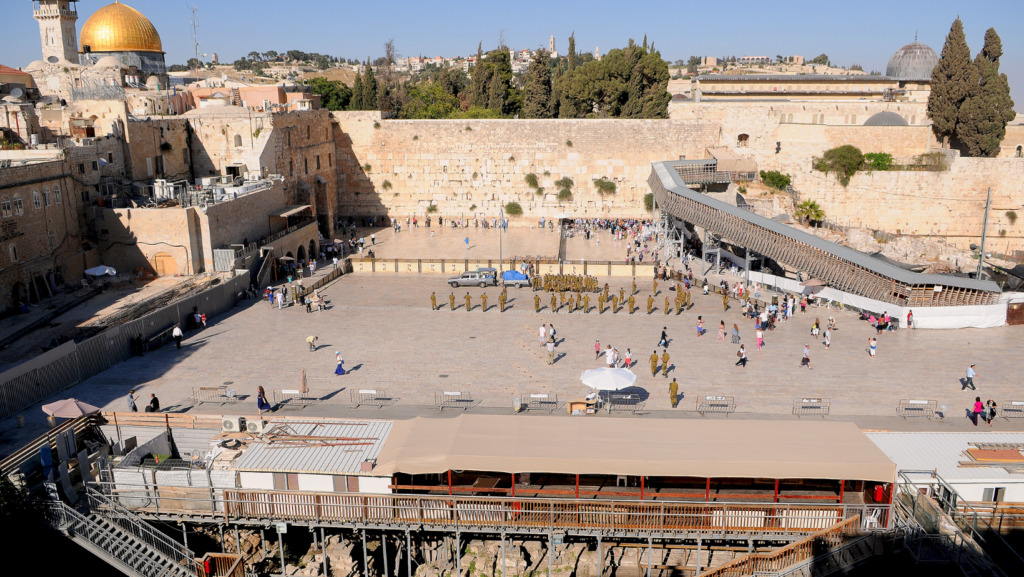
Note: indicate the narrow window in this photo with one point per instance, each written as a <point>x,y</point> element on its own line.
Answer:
<point>56,194</point>
<point>19,208</point>
<point>46,196</point>
<point>305,162</point>
<point>330,161</point>
<point>318,162</point>
<point>5,207</point>
<point>291,168</point>
<point>14,253</point>
<point>81,169</point>
<point>53,239</point>
<point>238,140</point>
<point>307,133</point>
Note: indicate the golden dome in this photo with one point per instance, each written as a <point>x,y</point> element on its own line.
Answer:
<point>120,28</point>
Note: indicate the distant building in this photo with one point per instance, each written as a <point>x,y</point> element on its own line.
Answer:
<point>551,44</point>
<point>795,60</point>
<point>754,60</point>
<point>708,61</point>
<point>597,53</point>
<point>215,58</point>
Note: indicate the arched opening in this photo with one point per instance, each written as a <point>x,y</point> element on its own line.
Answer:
<point>289,255</point>
<point>19,295</point>
<point>238,141</point>
<point>164,264</point>
<point>1020,152</point>
<point>301,253</point>
<point>743,140</point>
<point>312,250</point>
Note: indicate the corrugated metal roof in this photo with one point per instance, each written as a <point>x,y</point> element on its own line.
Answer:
<point>329,460</point>
<point>942,452</point>
<point>672,182</point>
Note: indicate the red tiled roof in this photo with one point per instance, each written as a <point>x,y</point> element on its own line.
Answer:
<point>9,70</point>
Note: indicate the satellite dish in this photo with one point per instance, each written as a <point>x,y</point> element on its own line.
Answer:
<point>17,92</point>
<point>53,60</point>
<point>223,76</point>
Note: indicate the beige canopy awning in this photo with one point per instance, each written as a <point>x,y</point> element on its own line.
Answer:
<point>653,448</point>
<point>729,162</point>
<point>291,211</point>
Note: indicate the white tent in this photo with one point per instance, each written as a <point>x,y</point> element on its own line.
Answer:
<point>608,379</point>
<point>101,270</point>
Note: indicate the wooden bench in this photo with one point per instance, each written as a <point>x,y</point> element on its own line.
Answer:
<point>1011,410</point>
<point>452,400</point>
<point>918,408</point>
<point>810,406</point>
<point>222,395</point>
<point>716,404</point>
<point>630,403</point>
<point>540,402</point>
<point>159,338</point>
<point>374,398</point>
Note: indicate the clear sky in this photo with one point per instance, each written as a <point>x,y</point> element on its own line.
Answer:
<point>865,32</point>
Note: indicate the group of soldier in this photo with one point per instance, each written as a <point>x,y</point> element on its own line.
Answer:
<point>502,301</point>
<point>576,283</point>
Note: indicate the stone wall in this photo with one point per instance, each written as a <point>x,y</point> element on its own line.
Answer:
<point>809,140</point>
<point>246,217</point>
<point>166,139</point>
<point>473,167</point>
<point>302,149</point>
<point>132,237</point>
<point>1013,145</point>
<point>224,136</point>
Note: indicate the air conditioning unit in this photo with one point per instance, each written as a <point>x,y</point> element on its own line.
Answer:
<point>233,424</point>
<point>255,427</point>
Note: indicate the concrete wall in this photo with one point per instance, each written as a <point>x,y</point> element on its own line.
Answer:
<point>459,164</point>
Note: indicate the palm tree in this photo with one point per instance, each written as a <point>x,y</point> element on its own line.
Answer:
<point>809,211</point>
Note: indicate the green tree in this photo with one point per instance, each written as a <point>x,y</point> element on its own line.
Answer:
<point>429,101</point>
<point>356,102</point>
<point>809,211</point>
<point>952,82</point>
<point>570,56</point>
<point>982,119</point>
<point>537,92</point>
<point>878,161</point>
<point>821,59</point>
<point>481,80</point>
<point>775,179</point>
<point>844,161</point>
<point>649,202</point>
<point>334,94</point>
<point>369,88</point>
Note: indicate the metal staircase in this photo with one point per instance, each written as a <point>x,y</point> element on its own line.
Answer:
<point>839,559</point>
<point>119,537</point>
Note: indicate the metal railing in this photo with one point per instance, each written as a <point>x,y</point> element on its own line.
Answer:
<point>494,513</point>
<point>129,522</point>
<point>62,517</point>
<point>794,553</point>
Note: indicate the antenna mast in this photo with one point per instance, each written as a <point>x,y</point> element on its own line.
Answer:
<point>195,39</point>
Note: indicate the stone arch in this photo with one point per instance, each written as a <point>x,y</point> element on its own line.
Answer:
<point>19,294</point>
<point>238,141</point>
<point>1020,152</point>
<point>313,253</point>
<point>743,140</point>
<point>164,264</point>
<point>300,254</point>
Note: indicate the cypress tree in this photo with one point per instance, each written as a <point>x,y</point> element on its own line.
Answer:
<point>496,93</point>
<point>357,94</point>
<point>981,122</point>
<point>570,57</point>
<point>537,92</point>
<point>479,79</point>
<point>369,88</point>
<point>952,81</point>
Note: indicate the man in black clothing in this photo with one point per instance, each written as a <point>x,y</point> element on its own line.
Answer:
<point>154,404</point>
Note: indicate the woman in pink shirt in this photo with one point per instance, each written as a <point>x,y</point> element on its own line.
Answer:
<point>978,408</point>
<point>760,336</point>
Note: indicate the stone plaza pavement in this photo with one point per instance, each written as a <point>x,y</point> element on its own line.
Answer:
<point>391,339</point>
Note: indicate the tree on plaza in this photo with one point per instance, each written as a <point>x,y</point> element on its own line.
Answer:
<point>952,81</point>
<point>537,92</point>
<point>982,119</point>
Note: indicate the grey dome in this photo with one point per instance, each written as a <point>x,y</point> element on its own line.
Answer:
<point>886,119</point>
<point>915,61</point>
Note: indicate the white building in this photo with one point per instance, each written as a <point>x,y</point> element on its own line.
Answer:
<point>982,466</point>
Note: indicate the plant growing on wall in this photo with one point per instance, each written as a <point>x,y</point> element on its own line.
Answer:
<point>565,195</point>
<point>1012,217</point>
<point>844,161</point>
<point>376,125</point>
<point>432,208</point>
<point>386,185</point>
<point>367,168</point>
<point>810,212</point>
<point>469,129</point>
<point>531,180</point>
<point>539,191</point>
<point>513,209</point>
<point>649,202</point>
<point>472,207</point>
<point>415,137</point>
<point>604,187</point>
<point>775,179</point>
<point>568,143</point>
<point>547,173</point>
<point>511,159</point>
<point>878,161</point>
<point>741,189</point>
<point>256,133</point>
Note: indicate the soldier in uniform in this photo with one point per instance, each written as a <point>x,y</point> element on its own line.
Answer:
<point>561,298</point>
<point>622,295</point>
<point>586,303</point>
<point>654,364</point>
<point>655,286</point>
<point>673,392</point>
<point>668,307</point>
<point>554,303</point>
<point>725,302</point>
<point>632,303</point>
<point>615,303</point>
<point>679,304</point>
<point>501,302</point>
<point>469,302</point>
<point>634,286</point>
<point>579,301</point>
<point>433,302</point>
<point>600,303</point>
<point>451,300</point>
<point>606,291</point>
<point>483,297</point>
<point>536,304</point>
<point>664,364</point>
<point>650,304</point>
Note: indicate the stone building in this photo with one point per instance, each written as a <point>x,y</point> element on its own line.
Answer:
<point>57,29</point>
<point>121,32</point>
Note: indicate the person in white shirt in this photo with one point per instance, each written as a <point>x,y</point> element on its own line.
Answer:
<point>177,334</point>
<point>542,331</point>
<point>551,352</point>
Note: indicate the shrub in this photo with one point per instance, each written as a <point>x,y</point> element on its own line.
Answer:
<point>604,186</point>
<point>539,191</point>
<point>472,207</point>
<point>416,137</point>
<point>547,173</point>
<point>376,125</point>
<point>475,175</point>
<point>568,143</point>
<point>741,189</point>
<point>649,202</point>
<point>1012,217</point>
<point>531,180</point>
<point>844,161</point>
<point>386,185</point>
<point>564,182</point>
<point>367,168</point>
<point>469,129</point>
<point>565,195</point>
<point>775,179</point>
<point>513,209</point>
<point>878,161</point>
<point>432,208</point>
<point>511,159</point>
<point>1002,232</point>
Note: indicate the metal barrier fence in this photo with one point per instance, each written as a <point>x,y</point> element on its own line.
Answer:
<point>371,397</point>
<point>814,407</point>
<point>90,357</point>
<point>1013,409</point>
<point>918,408</point>
<point>452,400</point>
<point>716,404</point>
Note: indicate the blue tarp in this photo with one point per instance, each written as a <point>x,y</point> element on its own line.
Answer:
<point>513,275</point>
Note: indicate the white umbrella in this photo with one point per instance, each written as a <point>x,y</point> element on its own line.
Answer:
<point>69,409</point>
<point>608,379</point>
<point>101,270</point>
<point>563,215</point>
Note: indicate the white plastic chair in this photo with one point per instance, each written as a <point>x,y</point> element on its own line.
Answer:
<point>872,520</point>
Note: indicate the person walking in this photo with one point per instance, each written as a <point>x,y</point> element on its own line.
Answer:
<point>542,332</point>
<point>664,364</point>
<point>483,298</point>
<point>673,392</point>
<point>654,364</point>
<point>597,349</point>
<point>735,334</point>
<point>872,344</point>
<point>663,341</point>
<point>451,300</point>
<point>725,302</point>
<point>806,361</point>
<point>131,402</point>
<point>609,357</point>
<point>742,354</point>
<point>551,333</point>
<point>650,304</point>
<point>721,331</point>
<point>279,296</point>
<point>469,302</point>
<point>177,334</point>
<point>340,369</point>
<point>433,301</point>
<point>991,409</point>
<point>373,238</point>
<point>312,342</point>
<point>828,338</point>
<point>759,334</point>
<point>979,407</point>
<point>261,400</point>
<point>551,351</point>
<point>536,304</point>
<point>700,326</point>
<point>970,378</point>
<point>629,358</point>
